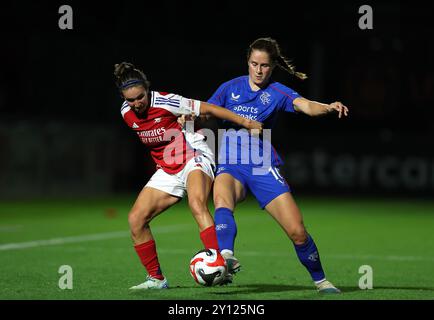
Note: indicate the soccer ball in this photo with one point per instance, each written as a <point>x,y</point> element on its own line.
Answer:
<point>208,267</point>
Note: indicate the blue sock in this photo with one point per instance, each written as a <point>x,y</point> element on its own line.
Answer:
<point>226,228</point>
<point>308,255</point>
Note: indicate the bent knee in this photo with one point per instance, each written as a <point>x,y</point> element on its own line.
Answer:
<point>298,235</point>
<point>137,219</point>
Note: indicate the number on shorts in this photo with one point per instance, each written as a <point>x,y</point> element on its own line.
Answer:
<point>275,172</point>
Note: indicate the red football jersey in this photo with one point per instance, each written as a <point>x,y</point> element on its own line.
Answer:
<point>159,130</point>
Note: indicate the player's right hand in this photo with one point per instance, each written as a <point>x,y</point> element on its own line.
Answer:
<point>184,118</point>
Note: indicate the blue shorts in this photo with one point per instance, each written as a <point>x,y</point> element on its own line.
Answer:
<point>265,187</point>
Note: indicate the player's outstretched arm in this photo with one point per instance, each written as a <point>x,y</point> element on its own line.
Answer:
<point>222,113</point>
<point>313,108</point>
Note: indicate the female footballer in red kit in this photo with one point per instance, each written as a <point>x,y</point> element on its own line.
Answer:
<point>185,163</point>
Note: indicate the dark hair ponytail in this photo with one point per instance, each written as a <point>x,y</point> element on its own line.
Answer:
<point>271,46</point>
<point>286,65</point>
<point>126,76</point>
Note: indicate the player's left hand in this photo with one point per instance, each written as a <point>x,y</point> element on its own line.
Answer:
<point>253,126</point>
<point>338,107</point>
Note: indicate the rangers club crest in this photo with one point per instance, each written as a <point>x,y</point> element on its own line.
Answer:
<point>265,98</point>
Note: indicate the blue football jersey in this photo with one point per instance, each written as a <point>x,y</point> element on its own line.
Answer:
<point>263,106</point>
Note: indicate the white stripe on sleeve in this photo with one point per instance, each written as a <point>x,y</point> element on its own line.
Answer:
<point>124,110</point>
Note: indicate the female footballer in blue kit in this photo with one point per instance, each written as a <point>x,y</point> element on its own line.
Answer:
<point>258,97</point>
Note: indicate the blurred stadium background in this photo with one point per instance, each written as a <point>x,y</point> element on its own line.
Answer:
<point>62,136</point>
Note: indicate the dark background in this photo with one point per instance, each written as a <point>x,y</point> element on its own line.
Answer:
<point>61,132</point>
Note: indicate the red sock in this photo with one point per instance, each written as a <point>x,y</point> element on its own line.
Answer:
<point>209,238</point>
<point>147,253</point>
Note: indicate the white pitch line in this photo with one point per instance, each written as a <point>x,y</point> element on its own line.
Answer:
<point>10,228</point>
<point>82,238</point>
<point>168,229</point>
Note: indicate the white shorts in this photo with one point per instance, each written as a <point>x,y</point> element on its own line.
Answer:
<point>176,184</point>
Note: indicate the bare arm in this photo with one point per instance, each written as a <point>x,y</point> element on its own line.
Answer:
<point>222,113</point>
<point>313,108</point>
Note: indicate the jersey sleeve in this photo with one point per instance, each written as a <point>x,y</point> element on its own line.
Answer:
<point>218,98</point>
<point>189,106</point>
<point>128,115</point>
<point>289,96</point>
<point>176,104</point>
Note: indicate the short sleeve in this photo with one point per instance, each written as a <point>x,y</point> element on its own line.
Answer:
<point>128,115</point>
<point>289,96</point>
<point>175,103</point>
<point>189,106</point>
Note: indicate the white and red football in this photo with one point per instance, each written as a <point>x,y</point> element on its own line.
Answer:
<point>208,267</point>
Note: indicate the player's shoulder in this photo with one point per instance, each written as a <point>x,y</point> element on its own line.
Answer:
<point>275,85</point>
<point>236,81</point>
<point>125,107</point>
<point>281,89</point>
<point>162,95</point>
<point>233,82</point>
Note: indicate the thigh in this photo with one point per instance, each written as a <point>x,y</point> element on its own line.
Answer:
<point>197,176</point>
<point>228,191</point>
<point>152,202</point>
<point>198,185</point>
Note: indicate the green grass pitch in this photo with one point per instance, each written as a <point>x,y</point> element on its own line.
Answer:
<point>394,237</point>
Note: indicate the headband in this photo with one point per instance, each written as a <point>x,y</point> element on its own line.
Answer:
<point>130,83</point>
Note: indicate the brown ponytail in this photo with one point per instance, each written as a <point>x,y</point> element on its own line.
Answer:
<point>286,65</point>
